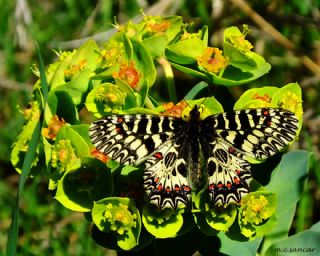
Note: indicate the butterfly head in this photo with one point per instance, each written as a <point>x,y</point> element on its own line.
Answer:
<point>195,113</point>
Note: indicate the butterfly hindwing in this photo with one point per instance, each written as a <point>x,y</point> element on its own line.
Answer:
<point>229,174</point>
<point>165,178</point>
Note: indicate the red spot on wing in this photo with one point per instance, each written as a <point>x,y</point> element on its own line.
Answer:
<point>158,155</point>
<point>118,130</point>
<point>266,112</point>
<point>168,190</point>
<point>238,171</point>
<point>186,188</point>
<point>220,185</point>
<point>229,185</point>
<point>159,188</point>
<point>231,150</point>
<point>120,120</point>
<point>156,180</point>
<point>269,123</point>
<point>176,188</point>
<point>211,187</point>
<point>236,180</point>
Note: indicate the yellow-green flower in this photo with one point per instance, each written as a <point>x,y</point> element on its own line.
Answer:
<point>110,54</point>
<point>212,60</point>
<point>256,209</point>
<point>74,70</point>
<point>119,218</point>
<point>239,41</point>
<point>110,96</point>
<point>292,102</point>
<point>63,155</point>
<point>53,127</point>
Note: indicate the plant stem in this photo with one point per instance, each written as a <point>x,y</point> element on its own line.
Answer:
<point>169,78</point>
<point>148,103</point>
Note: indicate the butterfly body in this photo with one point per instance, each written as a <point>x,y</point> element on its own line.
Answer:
<point>171,149</point>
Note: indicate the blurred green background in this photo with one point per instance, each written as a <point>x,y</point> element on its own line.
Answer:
<point>286,33</point>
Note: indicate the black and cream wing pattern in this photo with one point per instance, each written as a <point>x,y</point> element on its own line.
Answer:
<point>171,149</point>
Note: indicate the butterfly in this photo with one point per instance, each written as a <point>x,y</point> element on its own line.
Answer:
<point>176,151</point>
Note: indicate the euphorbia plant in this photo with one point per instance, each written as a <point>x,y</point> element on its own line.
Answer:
<point>117,77</point>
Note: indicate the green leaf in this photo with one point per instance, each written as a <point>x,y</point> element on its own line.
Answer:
<point>190,71</point>
<point>78,189</point>
<point>144,62</point>
<point>132,99</point>
<point>231,247</point>
<point>185,51</point>
<point>287,182</point>
<point>86,54</point>
<point>61,104</point>
<point>208,106</point>
<point>290,97</point>
<point>292,171</point>
<point>304,243</point>
<point>141,111</point>
<point>77,87</point>
<point>216,218</point>
<point>156,45</point>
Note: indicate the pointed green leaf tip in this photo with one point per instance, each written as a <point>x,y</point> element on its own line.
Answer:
<point>120,216</point>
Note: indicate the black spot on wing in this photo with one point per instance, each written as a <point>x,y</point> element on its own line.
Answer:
<point>155,120</point>
<point>244,120</point>
<point>150,145</point>
<point>230,116</point>
<point>142,125</point>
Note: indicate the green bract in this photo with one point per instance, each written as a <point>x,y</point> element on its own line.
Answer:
<point>79,188</point>
<point>120,217</point>
<point>161,223</point>
<point>119,76</point>
<point>20,146</point>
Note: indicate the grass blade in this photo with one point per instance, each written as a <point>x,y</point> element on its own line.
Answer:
<point>27,164</point>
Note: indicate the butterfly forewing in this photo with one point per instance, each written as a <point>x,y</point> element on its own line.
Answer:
<point>258,133</point>
<point>130,139</point>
